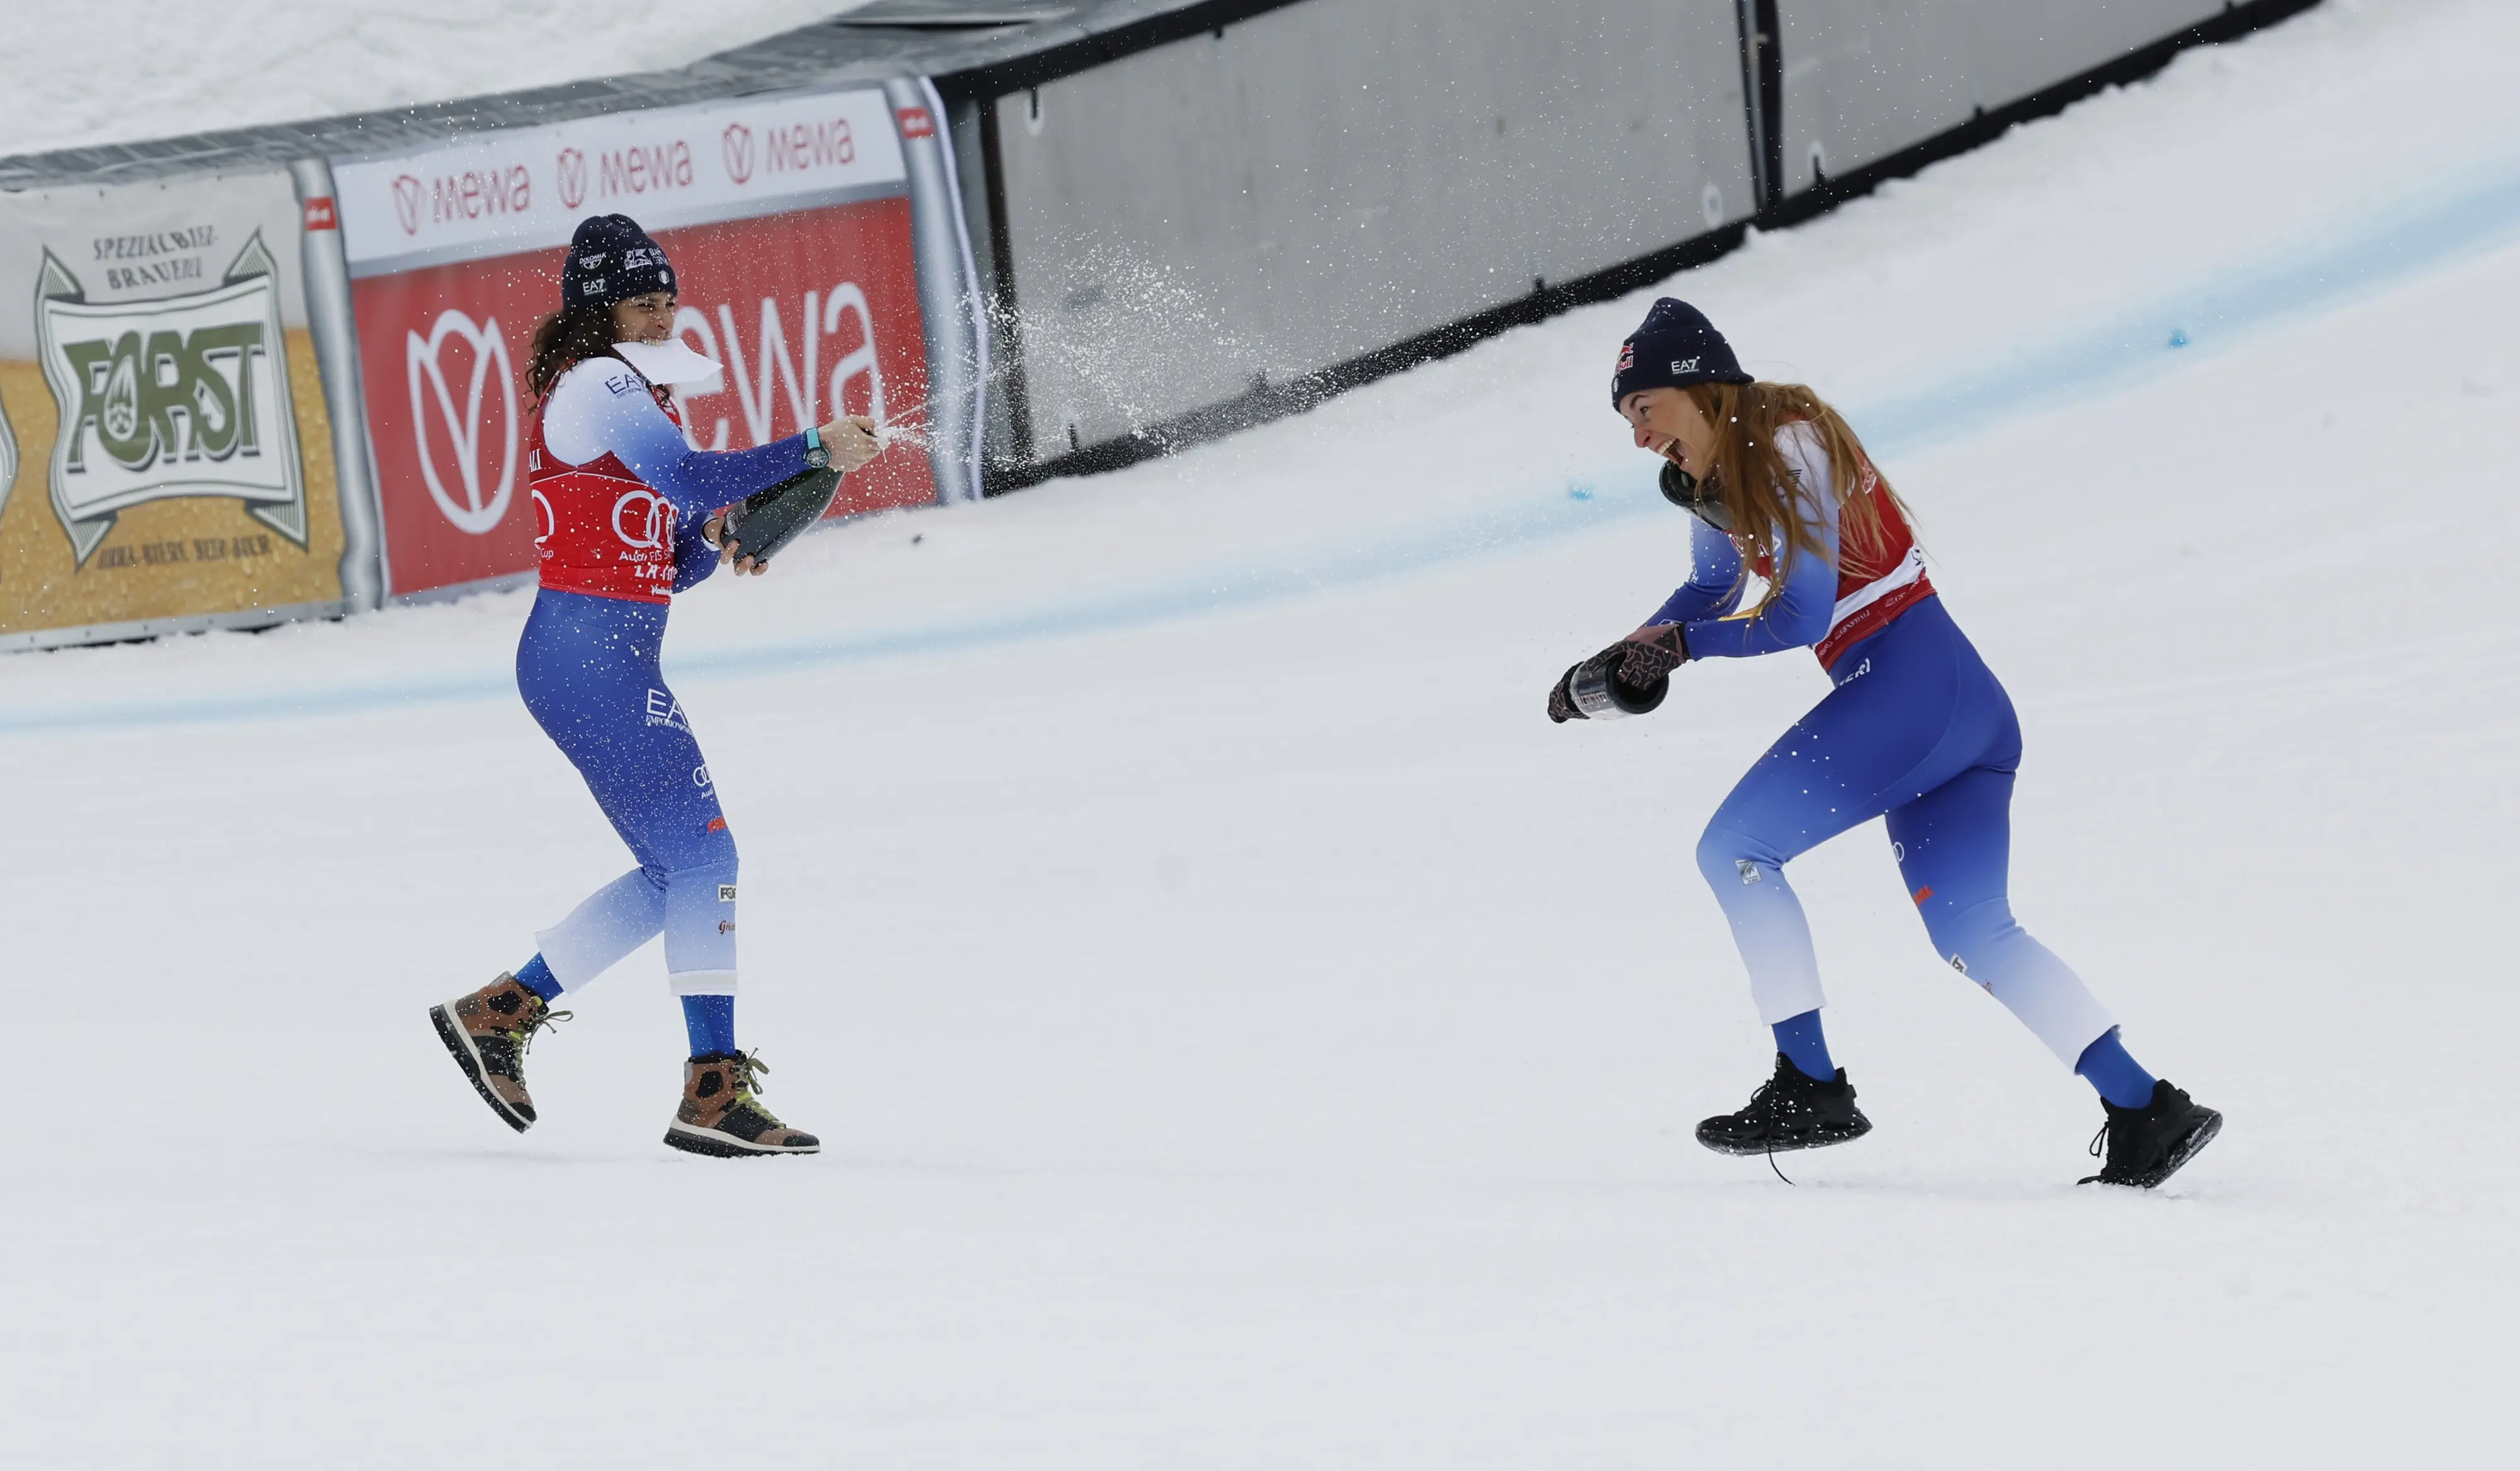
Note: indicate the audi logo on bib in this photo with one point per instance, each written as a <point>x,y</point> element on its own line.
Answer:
<point>642,519</point>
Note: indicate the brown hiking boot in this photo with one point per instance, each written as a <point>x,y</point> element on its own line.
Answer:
<point>488,1031</point>
<point>721,1117</point>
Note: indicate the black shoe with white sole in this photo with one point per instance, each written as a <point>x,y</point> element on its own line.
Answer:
<point>1791,1110</point>
<point>2144,1146</point>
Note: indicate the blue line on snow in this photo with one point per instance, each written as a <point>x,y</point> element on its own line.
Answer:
<point>2423,237</point>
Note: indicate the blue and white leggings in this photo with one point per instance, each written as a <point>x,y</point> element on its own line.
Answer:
<point>587,668</point>
<point>1918,731</point>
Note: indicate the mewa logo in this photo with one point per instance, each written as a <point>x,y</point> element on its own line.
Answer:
<point>406,193</point>
<point>470,193</point>
<point>770,374</point>
<point>573,178</point>
<point>796,148</point>
<point>478,498</point>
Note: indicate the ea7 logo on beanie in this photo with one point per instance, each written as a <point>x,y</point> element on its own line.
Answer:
<point>1674,347</point>
<point>611,259</point>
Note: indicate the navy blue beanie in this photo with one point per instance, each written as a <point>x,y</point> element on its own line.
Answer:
<point>1677,346</point>
<point>611,259</point>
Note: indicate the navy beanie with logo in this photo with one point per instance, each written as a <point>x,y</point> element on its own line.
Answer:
<point>611,259</point>
<point>1677,346</point>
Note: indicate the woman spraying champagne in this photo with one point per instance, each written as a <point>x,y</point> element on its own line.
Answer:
<point>1916,730</point>
<point>631,515</point>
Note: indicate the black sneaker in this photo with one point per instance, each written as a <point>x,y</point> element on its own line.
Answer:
<point>1792,1111</point>
<point>2146,1146</point>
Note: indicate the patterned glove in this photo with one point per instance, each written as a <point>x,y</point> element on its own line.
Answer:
<point>1642,661</point>
<point>1561,705</point>
<point>1636,666</point>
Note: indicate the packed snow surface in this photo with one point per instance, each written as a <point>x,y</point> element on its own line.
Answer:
<point>1246,1034</point>
<point>156,69</point>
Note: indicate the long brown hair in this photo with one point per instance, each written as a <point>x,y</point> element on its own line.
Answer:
<point>565,338</point>
<point>1750,476</point>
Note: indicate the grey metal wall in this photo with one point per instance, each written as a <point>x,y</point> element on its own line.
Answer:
<point>1864,78</point>
<point>1180,211</point>
<point>1324,180</point>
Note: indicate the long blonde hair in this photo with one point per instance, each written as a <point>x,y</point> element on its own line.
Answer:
<point>1749,476</point>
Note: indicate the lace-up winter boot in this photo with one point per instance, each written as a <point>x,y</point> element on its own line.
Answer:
<point>2146,1146</point>
<point>488,1031</point>
<point>720,1115</point>
<point>1791,1110</point>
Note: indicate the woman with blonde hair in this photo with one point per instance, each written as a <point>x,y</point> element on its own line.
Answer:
<point>1916,730</point>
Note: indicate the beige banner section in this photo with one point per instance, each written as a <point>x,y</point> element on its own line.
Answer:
<point>178,557</point>
<point>167,456</point>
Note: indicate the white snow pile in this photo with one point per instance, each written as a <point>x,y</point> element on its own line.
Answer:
<point>153,69</point>
<point>1246,1034</point>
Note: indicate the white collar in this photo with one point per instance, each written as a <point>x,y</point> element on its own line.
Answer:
<point>668,361</point>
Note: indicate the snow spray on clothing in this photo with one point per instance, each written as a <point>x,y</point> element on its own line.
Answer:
<point>588,669</point>
<point>1830,604</point>
<point>1918,731</point>
<point>621,496</point>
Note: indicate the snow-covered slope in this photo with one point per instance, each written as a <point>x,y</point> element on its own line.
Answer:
<point>1248,1035</point>
<point>90,72</point>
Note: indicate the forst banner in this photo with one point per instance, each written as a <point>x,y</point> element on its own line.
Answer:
<point>788,224</point>
<point>164,451</point>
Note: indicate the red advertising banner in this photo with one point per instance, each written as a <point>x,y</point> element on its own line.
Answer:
<point>812,314</point>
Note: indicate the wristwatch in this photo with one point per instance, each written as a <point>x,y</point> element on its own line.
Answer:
<point>816,457</point>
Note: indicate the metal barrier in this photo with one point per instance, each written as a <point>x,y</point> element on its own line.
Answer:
<point>1334,190</point>
<point>1864,79</point>
<point>276,372</point>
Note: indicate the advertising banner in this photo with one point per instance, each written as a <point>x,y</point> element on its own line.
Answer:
<point>788,224</point>
<point>165,458</point>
